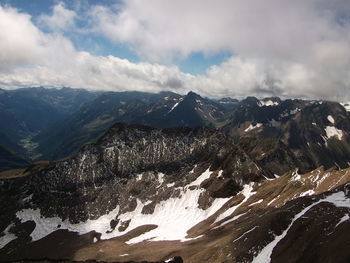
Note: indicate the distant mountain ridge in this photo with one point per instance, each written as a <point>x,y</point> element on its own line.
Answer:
<point>165,109</point>
<point>61,121</point>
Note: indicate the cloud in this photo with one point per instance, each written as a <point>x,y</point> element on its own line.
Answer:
<point>30,57</point>
<point>303,46</point>
<point>61,19</point>
<point>20,41</point>
<point>270,28</point>
<point>282,48</point>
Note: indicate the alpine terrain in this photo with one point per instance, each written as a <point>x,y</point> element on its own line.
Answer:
<point>182,178</point>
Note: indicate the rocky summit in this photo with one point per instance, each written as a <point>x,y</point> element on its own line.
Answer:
<point>272,184</point>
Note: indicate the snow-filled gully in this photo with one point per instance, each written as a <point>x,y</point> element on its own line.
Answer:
<point>338,199</point>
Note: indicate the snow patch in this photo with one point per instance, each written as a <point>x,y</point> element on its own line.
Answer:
<point>273,200</point>
<point>247,192</point>
<point>257,202</point>
<point>139,177</point>
<point>343,219</point>
<point>220,173</point>
<point>45,226</point>
<point>7,237</point>
<point>330,118</point>
<point>250,230</point>
<point>268,103</point>
<point>332,131</point>
<point>170,185</point>
<point>28,198</point>
<point>204,176</point>
<point>295,176</point>
<point>229,220</point>
<point>251,127</point>
<point>175,105</point>
<point>346,105</point>
<point>308,193</point>
<point>174,217</point>
<point>161,178</point>
<point>294,111</point>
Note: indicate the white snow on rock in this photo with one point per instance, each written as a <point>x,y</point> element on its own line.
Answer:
<point>161,178</point>
<point>268,103</point>
<point>7,237</point>
<point>247,192</point>
<point>296,176</point>
<point>346,105</point>
<point>175,105</point>
<point>204,176</point>
<point>173,217</point>
<point>343,219</point>
<point>338,199</point>
<point>229,220</point>
<point>308,193</point>
<point>273,200</point>
<point>330,118</point>
<point>332,131</point>
<point>250,230</point>
<point>46,225</point>
<point>289,113</point>
<point>170,185</point>
<point>251,127</point>
<point>257,202</point>
<point>139,177</point>
<point>294,111</point>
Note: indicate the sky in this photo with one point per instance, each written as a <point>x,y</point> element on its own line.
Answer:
<point>223,48</point>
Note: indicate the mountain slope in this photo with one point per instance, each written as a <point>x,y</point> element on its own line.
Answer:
<point>142,193</point>
<point>25,112</point>
<point>9,160</point>
<point>161,110</point>
<point>90,122</point>
<point>316,133</point>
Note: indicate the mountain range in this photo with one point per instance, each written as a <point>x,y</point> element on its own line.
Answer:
<point>139,177</point>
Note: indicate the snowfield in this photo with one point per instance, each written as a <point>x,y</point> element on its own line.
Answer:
<point>173,217</point>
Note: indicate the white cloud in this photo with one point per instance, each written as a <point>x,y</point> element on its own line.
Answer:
<point>285,48</point>
<point>270,28</point>
<point>61,19</point>
<point>303,47</point>
<point>20,41</point>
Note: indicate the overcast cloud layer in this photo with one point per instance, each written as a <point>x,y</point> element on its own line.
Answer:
<point>286,48</point>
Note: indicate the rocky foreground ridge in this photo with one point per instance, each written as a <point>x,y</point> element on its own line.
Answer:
<point>260,190</point>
